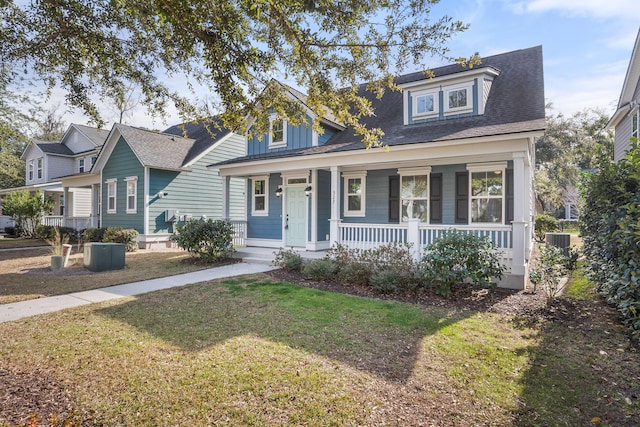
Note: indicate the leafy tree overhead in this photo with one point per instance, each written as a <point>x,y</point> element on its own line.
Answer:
<point>234,48</point>
<point>569,146</point>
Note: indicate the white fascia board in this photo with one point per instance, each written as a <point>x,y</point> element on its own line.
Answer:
<point>451,78</point>
<point>489,147</point>
<point>632,76</point>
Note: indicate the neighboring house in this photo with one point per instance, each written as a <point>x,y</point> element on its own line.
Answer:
<point>461,155</point>
<point>626,119</point>
<point>48,163</point>
<point>151,181</point>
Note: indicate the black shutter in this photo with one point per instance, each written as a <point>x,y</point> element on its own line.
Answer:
<point>509,201</point>
<point>394,199</point>
<point>462,198</point>
<point>435,214</point>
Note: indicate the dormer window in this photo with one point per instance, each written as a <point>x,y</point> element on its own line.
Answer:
<point>425,103</point>
<point>459,99</point>
<point>81,165</point>
<point>277,132</point>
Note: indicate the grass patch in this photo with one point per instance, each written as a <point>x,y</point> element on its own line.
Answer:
<point>25,274</point>
<point>578,286</point>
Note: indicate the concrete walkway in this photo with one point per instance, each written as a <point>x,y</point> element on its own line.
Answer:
<point>19,310</point>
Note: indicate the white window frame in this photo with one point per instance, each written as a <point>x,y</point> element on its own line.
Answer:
<point>132,196</point>
<point>30,171</point>
<point>405,173</point>
<point>468,86</point>
<point>81,165</point>
<point>112,183</point>
<point>277,144</point>
<point>362,176</point>
<point>265,195</point>
<point>635,123</point>
<point>435,93</point>
<point>40,167</point>
<point>500,167</point>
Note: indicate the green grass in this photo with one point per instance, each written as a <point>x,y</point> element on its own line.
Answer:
<point>249,351</point>
<point>578,286</point>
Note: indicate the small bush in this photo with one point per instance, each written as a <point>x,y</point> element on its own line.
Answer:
<point>126,236</point>
<point>551,269</point>
<point>568,225</point>
<point>544,223</point>
<point>355,273</point>
<point>342,255</point>
<point>288,259</point>
<point>207,240</point>
<point>386,281</point>
<point>395,257</point>
<point>320,269</point>
<point>456,257</point>
<point>93,234</point>
<point>48,232</point>
<point>11,231</point>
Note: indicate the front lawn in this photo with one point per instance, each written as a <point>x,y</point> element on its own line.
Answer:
<point>254,351</point>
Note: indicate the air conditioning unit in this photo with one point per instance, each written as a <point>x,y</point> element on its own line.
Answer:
<point>171,215</point>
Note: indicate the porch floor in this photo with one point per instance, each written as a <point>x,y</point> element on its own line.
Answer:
<point>258,255</point>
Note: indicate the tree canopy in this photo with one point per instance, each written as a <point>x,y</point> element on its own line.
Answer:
<point>233,48</point>
<point>569,146</point>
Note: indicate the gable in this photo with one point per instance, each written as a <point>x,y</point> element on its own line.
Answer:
<point>122,162</point>
<point>76,141</point>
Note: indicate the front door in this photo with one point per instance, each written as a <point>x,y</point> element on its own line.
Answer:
<point>296,217</point>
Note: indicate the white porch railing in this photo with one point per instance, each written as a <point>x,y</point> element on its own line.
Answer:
<point>368,236</point>
<point>239,232</point>
<point>78,222</point>
<point>53,220</point>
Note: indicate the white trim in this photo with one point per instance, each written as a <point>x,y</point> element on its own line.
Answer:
<point>265,211</point>
<point>145,207</point>
<point>422,171</point>
<point>277,144</point>
<point>468,86</point>
<point>415,171</point>
<point>488,167</point>
<point>451,79</point>
<point>264,243</point>
<point>435,94</point>
<point>483,167</point>
<point>314,207</point>
<point>127,180</point>
<point>113,181</point>
<point>39,168</point>
<point>318,246</point>
<point>362,176</point>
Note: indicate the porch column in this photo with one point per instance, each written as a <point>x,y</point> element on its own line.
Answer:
<point>95,205</point>
<point>520,192</point>
<point>334,230</point>
<point>225,196</point>
<point>67,206</point>
<point>413,237</point>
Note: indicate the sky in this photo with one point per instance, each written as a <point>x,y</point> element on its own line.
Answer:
<point>586,44</point>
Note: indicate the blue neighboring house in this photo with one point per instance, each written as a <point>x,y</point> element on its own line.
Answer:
<point>461,155</point>
<point>151,181</point>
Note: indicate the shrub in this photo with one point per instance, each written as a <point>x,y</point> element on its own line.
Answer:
<point>126,236</point>
<point>11,231</point>
<point>26,210</point>
<point>288,259</point>
<point>93,234</point>
<point>392,257</point>
<point>343,256</point>
<point>551,268</point>
<point>48,232</point>
<point>544,223</point>
<point>386,280</point>
<point>207,240</point>
<point>320,269</point>
<point>568,225</point>
<point>457,256</point>
<point>355,273</point>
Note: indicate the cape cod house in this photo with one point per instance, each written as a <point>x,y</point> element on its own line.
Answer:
<point>460,155</point>
<point>626,120</point>
<point>48,163</point>
<point>151,181</point>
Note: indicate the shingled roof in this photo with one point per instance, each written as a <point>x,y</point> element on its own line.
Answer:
<point>53,148</point>
<point>97,136</point>
<point>205,134</point>
<point>515,105</point>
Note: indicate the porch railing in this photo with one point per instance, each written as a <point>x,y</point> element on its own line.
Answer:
<point>239,232</point>
<point>78,222</point>
<point>368,236</point>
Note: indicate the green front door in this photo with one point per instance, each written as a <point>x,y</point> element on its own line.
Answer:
<point>296,217</point>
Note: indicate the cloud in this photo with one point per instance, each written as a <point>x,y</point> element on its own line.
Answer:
<point>624,9</point>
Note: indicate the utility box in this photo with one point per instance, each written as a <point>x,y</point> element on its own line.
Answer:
<point>171,215</point>
<point>104,256</point>
<point>559,240</point>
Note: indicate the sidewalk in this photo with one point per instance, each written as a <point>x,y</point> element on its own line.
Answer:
<point>19,310</point>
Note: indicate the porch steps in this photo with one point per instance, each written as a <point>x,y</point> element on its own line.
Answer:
<point>265,256</point>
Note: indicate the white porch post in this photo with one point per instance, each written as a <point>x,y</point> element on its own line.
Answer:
<point>334,230</point>
<point>413,237</point>
<point>225,196</point>
<point>520,191</point>
<point>67,206</point>
<point>95,205</point>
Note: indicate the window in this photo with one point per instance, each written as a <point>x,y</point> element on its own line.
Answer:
<point>354,193</point>
<point>278,132</point>
<point>414,194</point>
<point>634,123</point>
<point>93,160</point>
<point>132,194</point>
<point>111,195</point>
<point>40,162</point>
<point>487,193</point>
<point>81,165</point>
<point>260,206</point>
<point>425,103</point>
<point>458,99</point>
<point>30,170</point>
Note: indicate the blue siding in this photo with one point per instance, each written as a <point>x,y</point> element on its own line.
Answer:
<point>297,137</point>
<point>326,136</point>
<point>376,198</point>
<point>122,164</point>
<point>265,227</point>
